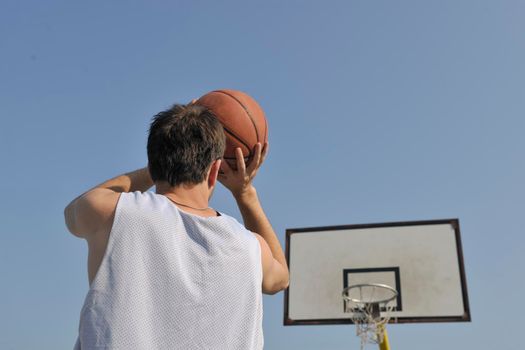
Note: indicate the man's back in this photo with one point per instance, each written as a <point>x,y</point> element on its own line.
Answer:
<point>174,280</point>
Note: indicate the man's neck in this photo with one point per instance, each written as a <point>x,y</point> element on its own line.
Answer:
<point>192,197</point>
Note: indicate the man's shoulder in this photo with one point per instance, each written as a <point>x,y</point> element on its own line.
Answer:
<point>91,212</point>
<point>140,199</point>
<point>235,224</point>
<point>230,219</point>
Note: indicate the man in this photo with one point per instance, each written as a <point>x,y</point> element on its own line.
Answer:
<point>165,270</point>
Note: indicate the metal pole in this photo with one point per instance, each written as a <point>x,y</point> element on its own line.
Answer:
<point>384,345</point>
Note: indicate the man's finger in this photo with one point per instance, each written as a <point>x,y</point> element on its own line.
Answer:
<point>264,152</point>
<point>256,158</point>
<point>241,166</point>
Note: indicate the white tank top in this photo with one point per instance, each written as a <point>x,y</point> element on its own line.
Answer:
<point>174,280</point>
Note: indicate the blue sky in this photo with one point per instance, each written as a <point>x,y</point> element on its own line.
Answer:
<point>378,111</point>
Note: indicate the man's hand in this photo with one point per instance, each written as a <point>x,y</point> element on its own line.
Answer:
<point>239,181</point>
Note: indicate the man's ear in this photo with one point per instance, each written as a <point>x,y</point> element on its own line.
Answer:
<point>214,172</point>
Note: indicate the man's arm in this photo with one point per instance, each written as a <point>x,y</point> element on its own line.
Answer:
<point>275,268</point>
<point>239,182</point>
<point>94,210</point>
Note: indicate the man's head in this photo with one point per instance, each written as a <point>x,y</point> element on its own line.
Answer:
<point>183,143</point>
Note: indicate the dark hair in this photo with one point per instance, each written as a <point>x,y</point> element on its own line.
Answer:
<point>183,141</point>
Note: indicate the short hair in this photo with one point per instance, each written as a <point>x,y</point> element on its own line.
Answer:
<point>183,142</point>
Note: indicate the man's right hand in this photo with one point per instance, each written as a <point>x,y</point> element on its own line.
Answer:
<point>239,181</point>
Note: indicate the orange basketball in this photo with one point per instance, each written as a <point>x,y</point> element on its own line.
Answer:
<point>243,120</point>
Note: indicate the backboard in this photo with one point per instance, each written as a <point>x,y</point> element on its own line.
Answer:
<point>421,260</point>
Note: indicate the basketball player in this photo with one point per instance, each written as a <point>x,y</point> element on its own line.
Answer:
<point>165,270</point>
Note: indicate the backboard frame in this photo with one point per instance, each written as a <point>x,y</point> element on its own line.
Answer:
<point>466,317</point>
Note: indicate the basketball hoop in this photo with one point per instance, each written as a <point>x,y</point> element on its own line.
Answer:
<point>371,305</point>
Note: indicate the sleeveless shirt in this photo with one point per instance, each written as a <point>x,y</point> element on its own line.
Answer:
<point>174,280</point>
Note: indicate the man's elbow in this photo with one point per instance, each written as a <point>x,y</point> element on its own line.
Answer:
<point>285,281</point>
<point>282,286</point>
<point>277,286</point>
<point>69,220</point>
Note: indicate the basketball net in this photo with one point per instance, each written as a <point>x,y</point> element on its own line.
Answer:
<point>369,326</point>
<point>370,312</point>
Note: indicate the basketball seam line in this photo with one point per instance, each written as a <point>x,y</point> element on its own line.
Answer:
<point>245,144</point>
<point>247,112</point>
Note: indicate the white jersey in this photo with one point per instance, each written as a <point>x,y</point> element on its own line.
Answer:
<point>174,280</point>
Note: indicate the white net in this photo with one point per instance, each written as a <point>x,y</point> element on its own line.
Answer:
<point>371,306</point>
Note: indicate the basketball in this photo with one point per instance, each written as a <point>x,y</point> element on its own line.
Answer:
<point>243,121</point>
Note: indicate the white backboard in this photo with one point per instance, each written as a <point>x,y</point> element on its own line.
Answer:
<point>422,260</point>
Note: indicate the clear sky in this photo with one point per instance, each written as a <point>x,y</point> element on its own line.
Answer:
<point>378,111</point>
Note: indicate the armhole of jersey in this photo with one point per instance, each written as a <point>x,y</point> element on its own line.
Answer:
<point>259,248</point>
<point>111,238</point>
